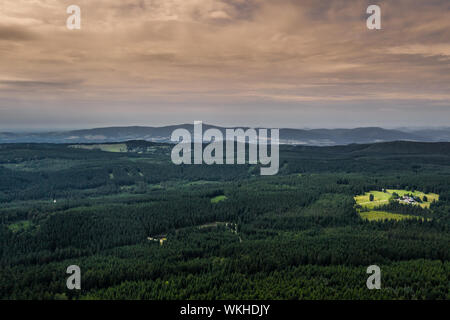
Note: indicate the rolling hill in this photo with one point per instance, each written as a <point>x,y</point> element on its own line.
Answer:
<point>317,137</point>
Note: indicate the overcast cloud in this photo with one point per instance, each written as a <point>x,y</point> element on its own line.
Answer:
<point>282,63</point>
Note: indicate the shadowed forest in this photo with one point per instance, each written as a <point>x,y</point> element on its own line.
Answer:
<point>221,231</point>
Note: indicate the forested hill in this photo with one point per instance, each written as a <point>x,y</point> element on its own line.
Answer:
<point>10,152</point>
<point>222,231</point>
<point>394,147</point>
<point>320,137</point>
<point>31,171</point>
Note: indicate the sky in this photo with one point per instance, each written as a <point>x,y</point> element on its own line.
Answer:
<point>283,63</point>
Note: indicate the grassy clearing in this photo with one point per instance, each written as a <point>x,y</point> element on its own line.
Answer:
<point>380,198</point>
<point>212,225</point>
<point>115,147</point>
<point>431,196</point>
<point>42,165</point>
<point>218,199</point>
<point>20,225</point>
<point>200,182</point>
<point>384,215</point>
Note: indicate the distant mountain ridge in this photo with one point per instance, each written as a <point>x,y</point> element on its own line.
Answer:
<point>309,137</point>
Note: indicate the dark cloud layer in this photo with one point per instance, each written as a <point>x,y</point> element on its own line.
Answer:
<point>16,33</point>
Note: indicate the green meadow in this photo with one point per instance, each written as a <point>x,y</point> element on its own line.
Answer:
<point>383,215</point>
<point>431,196</point>
<point>381,198</point>
<point>218,199</point>
<point>20,225</point>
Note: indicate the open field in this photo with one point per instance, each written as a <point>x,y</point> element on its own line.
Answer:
<point>218,199</point>
<point>431,196</point>
<point>383,215</point>
<point>19,225</point>
<point>380,198</point>
<point>113,147</point>
<point>42,165</point>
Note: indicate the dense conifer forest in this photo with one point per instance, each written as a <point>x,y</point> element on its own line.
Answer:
<point>140,227</point>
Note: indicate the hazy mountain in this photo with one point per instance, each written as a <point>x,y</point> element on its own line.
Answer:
<point>320,137</point>
<point>440,134</point>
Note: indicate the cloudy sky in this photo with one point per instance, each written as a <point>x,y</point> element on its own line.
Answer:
<point>274,63</point>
